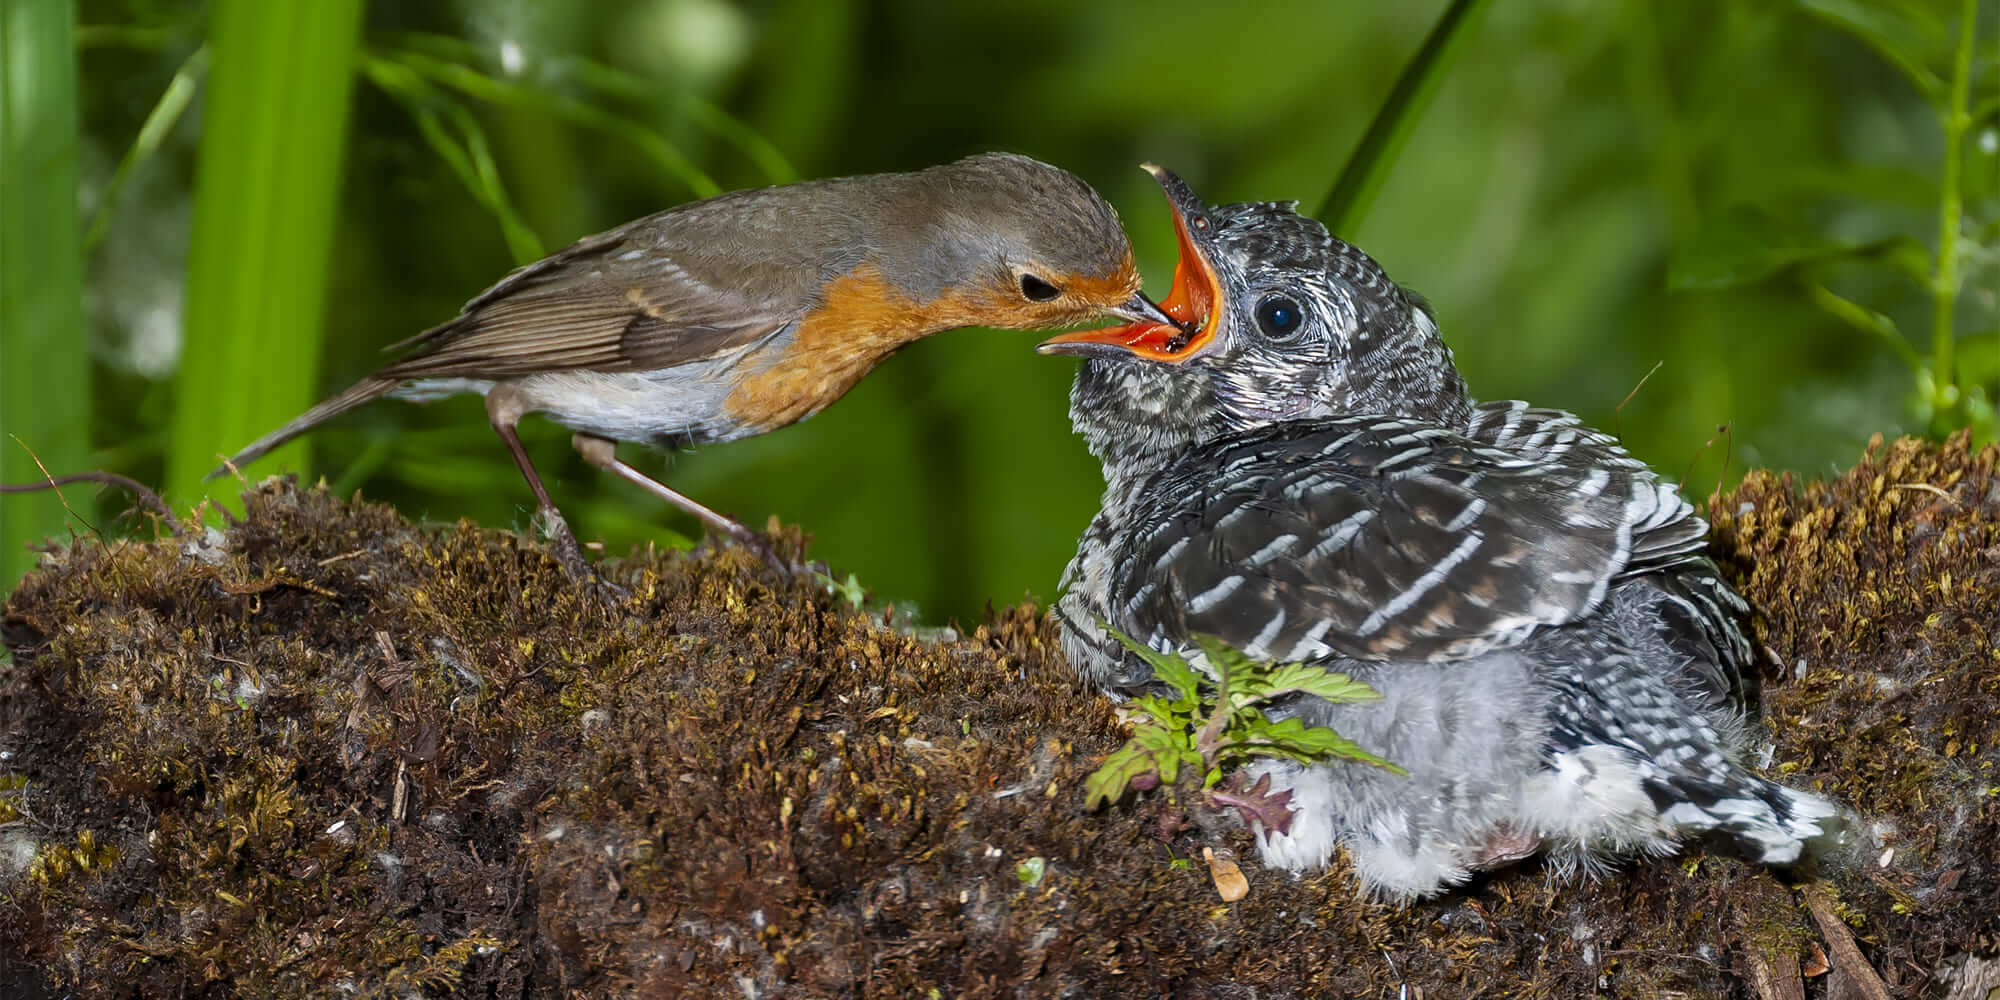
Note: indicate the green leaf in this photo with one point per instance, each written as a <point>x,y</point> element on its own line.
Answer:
<point>1872,182</point>
<point>1986,107</point>
<point>1223,659</point>
<point>1107,784</point>
<point>1243,752</point>
<point>1160,740</point>
<point>1170,669</point>
<point>1167,751</point>
<point>1746,245</point>
<point>1980,362</point>
<point>1293,738</point>
<point>1905,256</point>
<point>1162,711</point>
<point>1232,671</point>
<point>1906,34</point>
<point>1167,754</point>
<point>1316,681</point>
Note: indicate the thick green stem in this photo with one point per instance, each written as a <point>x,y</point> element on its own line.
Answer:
<point>1944,287</point>
<point>274,125</point>
<point>45,363</point>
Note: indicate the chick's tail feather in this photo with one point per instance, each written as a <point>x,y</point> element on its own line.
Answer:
<point>365,391</point>
<point>1767,822</point>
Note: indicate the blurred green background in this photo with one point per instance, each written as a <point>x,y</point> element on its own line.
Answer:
<point>1743,200</point>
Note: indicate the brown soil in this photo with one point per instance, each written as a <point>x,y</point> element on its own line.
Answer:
<point>327,752</point>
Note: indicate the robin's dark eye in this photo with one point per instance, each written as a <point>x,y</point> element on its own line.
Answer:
<point>1037,289</point>
<point>1279,317</point>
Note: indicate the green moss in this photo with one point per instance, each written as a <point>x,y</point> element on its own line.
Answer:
<point>56,864</point>
<point>336,748</point>
<point>1878,598</point>
<point>11,786</point>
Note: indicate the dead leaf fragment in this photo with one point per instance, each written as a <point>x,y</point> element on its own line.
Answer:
<point>1229,881</point>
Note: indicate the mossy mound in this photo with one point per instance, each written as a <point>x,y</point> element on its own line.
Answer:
<point>325,752</point>
<point>1878,599</point>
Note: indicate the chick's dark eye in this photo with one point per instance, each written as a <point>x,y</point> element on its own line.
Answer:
<point>1279,317</point>
<point>1037,289</point>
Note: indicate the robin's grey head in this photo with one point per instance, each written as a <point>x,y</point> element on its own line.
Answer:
<point>1019,243</point>
<point>1275,319</point>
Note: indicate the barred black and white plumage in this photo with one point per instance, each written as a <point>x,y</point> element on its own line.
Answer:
<point>1561,665</point>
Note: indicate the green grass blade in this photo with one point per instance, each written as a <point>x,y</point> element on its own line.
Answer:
<point>706,114</point>
<point>266,188</point>
<point>1368,166</point>
<point>471,160</point>
<point>507,93</point>
<point>166,114</point>
<point>44,361</point>
<point>619,83</point>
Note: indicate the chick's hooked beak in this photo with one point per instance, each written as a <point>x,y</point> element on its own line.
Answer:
<point>1183,325</point>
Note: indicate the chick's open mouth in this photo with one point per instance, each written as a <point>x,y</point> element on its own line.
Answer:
<point>1195,303</point>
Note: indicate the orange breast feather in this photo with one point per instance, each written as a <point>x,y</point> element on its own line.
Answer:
<point>862,320</point>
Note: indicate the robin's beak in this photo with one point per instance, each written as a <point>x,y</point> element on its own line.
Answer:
<point>1192,311</point>
<point>1140,309</point>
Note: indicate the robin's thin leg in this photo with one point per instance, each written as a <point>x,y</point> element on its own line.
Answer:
<point>504,407</point>
<point>603,453</point>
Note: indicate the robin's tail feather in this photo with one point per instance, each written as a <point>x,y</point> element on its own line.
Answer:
<point>364,391</point>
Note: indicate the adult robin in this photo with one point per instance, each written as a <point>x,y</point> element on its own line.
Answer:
<point>1294,466</point>
<point>752,310</point>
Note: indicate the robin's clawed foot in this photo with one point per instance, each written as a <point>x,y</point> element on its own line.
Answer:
<point>563,546</point>
<point>603,453</point>
<point>568,553</point>
<point>762,547</point>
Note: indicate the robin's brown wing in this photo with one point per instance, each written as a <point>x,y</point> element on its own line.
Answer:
<point>1384,539</point>
<point>630,299</point>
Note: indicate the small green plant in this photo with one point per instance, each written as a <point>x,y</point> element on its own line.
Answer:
<point>849,590</point>
<point>1030,872</point>
<point>1224,727</point>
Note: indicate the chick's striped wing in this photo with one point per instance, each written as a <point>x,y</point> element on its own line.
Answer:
<point>1377,539</point>
<point>636,298</point>
<point>1672,534</point>
<point>1691,610</point>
